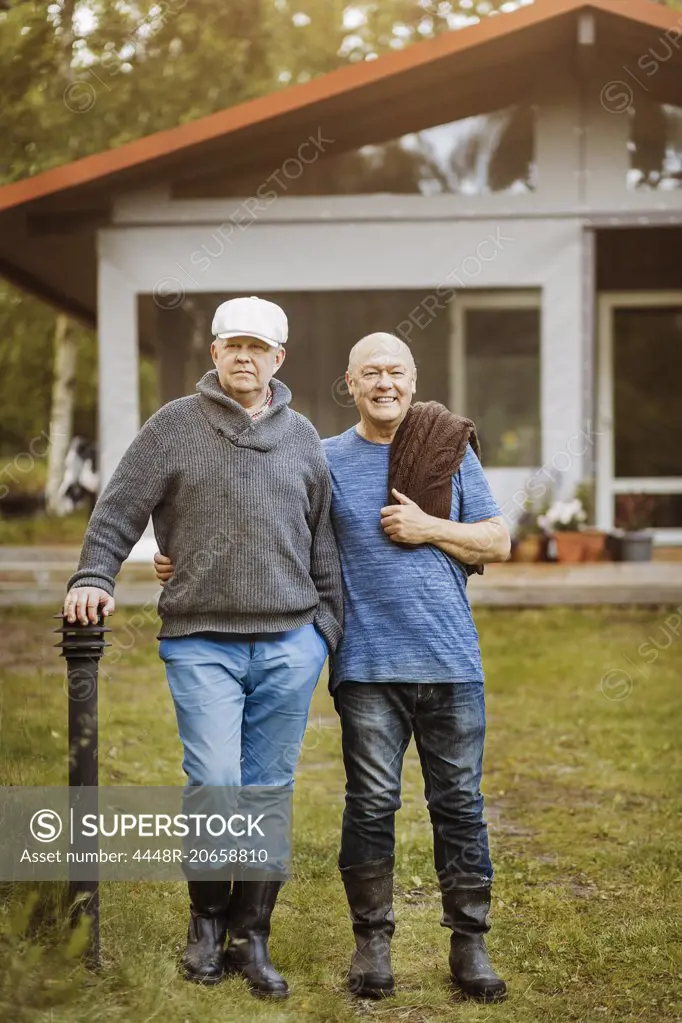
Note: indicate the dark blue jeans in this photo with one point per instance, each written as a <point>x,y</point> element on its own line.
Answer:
<point>448,723</point>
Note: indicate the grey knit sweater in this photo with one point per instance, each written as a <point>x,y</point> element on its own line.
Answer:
<point>240,506</point>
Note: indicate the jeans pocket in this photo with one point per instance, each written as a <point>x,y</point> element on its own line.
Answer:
<point>322,640</point>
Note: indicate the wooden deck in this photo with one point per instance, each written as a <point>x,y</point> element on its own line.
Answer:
<point>517,585</point>
<point>38,575</point>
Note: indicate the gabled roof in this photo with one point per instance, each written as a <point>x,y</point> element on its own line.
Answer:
<point>427,83</point>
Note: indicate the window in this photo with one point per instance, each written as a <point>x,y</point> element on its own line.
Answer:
<point>634,511</point>
<point>493,152</point>
<point>655,147</point>
<point>500,381</point>
<point>647,367</point>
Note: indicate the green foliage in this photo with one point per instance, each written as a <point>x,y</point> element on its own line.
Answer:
<point>527,523</point>
<point>26,361</point>
<point>79,77</point>
<point>26,330</point>
<point>585,493</point>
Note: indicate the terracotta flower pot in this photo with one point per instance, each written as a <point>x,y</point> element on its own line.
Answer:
<point>594,543</point>
<point>529,549</point>
<point>569,545</point>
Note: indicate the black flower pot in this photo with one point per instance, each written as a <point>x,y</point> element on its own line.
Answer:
<point>630,546</point>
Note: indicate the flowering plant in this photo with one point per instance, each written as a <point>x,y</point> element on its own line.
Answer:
<point>563,516</point>
<point>528,522</point>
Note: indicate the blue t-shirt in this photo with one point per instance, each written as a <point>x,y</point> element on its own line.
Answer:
<point>407,617</point>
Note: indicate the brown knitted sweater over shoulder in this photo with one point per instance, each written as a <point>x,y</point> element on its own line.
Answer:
<point>426,452</point>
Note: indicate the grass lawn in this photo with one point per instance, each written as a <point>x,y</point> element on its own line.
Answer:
<point>22,480</point>
<point>43,529</point>
<point>583,792</point>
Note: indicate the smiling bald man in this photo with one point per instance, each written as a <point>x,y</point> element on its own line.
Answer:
<point>409,664</point>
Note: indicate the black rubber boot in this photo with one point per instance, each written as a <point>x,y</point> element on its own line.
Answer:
<point>465,911</point>
<point>369,890</point>
<point>249,929</point>
<point>202,960</point>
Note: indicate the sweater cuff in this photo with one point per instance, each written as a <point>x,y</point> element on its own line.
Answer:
<point>83,578</point>
<point>331,630</point>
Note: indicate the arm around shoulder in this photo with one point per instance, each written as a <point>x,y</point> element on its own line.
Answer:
<point>325,565</point>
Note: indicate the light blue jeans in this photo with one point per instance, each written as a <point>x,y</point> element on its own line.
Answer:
<point>242,702</point>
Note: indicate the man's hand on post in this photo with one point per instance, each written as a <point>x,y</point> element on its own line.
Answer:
<point>83,603</point>
<point>163,567</point>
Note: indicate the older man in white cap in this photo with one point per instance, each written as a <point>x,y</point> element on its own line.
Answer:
<point>239,492</point>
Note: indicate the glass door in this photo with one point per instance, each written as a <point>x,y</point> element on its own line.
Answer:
<point>639,467</point>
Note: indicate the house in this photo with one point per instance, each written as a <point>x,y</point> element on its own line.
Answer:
<point>507,198</point>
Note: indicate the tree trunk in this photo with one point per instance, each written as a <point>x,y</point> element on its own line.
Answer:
<point>61,419</point>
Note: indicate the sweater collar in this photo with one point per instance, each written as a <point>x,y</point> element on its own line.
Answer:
<point>229,419</point>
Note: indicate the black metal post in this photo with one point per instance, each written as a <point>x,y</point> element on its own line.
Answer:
<point>83,646</point>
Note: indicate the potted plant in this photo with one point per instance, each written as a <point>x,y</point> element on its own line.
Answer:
<point>632,541</point>
<point>594,540</point>
<point>529,538</point>
<point>563,520</point>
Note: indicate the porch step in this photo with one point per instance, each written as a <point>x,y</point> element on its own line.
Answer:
<point>38,576</point>
<point>529,585</point>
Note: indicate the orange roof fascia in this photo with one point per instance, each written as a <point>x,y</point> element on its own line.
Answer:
<point>643,11</point>
<point>298,97</point>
